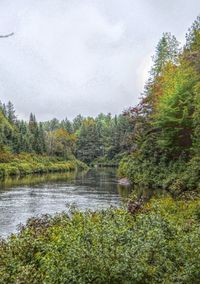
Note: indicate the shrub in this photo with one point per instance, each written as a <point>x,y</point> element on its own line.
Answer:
<point>24,163</point>
<point>176,176</point>
<point>158,245</point>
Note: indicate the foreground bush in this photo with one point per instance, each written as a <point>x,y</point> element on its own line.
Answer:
<point>161,244</point>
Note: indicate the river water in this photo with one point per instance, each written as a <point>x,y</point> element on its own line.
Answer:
<point>22,198</point>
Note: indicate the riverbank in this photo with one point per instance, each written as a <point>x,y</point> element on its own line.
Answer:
<point>175,176</point>
<point>25,164</point>
<point>159,244</point>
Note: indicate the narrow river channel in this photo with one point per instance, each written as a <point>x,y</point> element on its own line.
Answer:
<point>22,198</point>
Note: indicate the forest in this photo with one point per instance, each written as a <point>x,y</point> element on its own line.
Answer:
<point>102,140</point>
<point>167,120</point>
<point>155,144</point>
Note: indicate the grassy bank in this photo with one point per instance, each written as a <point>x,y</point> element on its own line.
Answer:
<point>24,164</point>
<point>33,179</point>
<point>160,244</point>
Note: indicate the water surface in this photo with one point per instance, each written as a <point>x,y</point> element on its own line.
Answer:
<point>22,198</point>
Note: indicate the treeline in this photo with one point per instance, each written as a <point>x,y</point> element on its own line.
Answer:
<point>167,119</point>
<point>103,139</point>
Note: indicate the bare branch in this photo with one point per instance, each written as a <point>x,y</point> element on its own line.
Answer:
<point>8,35</point>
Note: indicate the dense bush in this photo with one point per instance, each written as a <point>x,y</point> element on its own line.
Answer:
<point>23,164</point>
<point>176,176</point>
<point>161,244</point>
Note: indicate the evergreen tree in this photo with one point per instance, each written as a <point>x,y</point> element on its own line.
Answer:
<point>77,122</point>
<point>167,50</point>
<point>67,125</point>
<point>89,142</point>
<point>10,113</point>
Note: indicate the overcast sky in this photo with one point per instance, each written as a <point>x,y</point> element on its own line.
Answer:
<point>82,56</point>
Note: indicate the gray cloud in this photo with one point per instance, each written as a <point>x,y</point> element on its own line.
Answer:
<point>82,56</point>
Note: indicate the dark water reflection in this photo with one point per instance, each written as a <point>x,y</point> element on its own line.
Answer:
<point>22,198</point>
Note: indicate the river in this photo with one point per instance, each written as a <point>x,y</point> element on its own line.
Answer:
<point>22,198</point>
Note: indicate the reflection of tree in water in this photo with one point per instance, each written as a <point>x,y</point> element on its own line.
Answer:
<point>36,179</point>
<point>124,192</point>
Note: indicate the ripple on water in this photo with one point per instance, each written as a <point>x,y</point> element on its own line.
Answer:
<point>98,189</point>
